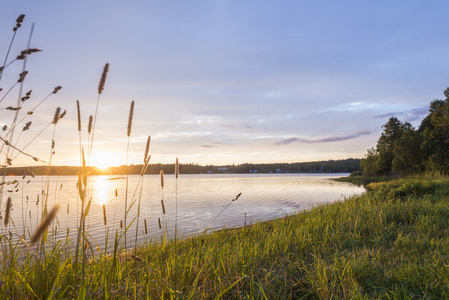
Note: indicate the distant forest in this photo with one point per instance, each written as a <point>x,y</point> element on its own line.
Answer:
<point>328,166</point>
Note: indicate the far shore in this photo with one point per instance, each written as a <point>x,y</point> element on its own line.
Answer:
<point>330,166</point>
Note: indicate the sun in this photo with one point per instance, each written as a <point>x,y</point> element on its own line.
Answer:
<point>103,160</point>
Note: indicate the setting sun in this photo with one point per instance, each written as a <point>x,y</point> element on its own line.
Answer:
<point>104,160</point>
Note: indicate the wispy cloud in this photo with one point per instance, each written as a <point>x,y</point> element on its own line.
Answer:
<point>322,140</point>
<point>236,127</point>
<point>207,146</point>
<point>408,115</point>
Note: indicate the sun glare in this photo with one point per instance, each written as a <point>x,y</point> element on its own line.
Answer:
<point>101,188</point>
<point>104,160</point>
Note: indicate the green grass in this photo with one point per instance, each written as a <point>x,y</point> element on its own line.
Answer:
<point>391,243</point>
<point>364,180</point>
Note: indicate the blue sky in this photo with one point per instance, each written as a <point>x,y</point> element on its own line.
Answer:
<point>219,82</point>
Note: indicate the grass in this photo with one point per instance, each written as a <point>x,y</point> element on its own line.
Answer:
<point>376,246</point>
<point>364,180</point>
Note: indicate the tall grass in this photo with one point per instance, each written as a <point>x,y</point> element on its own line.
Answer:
<point>375,246</point>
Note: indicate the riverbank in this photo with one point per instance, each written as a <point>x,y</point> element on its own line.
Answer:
<point>388,243</point>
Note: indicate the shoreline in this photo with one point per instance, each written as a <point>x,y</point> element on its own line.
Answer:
<point>384,243</point>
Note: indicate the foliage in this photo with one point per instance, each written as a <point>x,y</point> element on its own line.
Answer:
<point>403,150</point>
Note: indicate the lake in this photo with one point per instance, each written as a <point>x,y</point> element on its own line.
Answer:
<point>200,198</point>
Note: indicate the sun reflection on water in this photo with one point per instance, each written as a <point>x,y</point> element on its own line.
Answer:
<point>101,190</point>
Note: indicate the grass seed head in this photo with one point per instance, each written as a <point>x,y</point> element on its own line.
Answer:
<point>8,210</point>
<point>19,22</point>
<point>78,110</point>
<point>162,178</point>
<point>146,228</point>
<point>104,215</point>
<point>57,116</point>
<point>147,149</point>
<point>22,76</point>
<point>130,118</point>
<point>163,206</point>
<point>57,89</point>
<point>103,78</point>
<point>89,126</point>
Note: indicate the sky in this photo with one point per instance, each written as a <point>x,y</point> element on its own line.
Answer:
<point>222,82</point>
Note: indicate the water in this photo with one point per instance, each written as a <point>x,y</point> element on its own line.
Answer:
<point>200,199</point>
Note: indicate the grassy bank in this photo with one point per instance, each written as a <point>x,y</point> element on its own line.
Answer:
<point>364,180</point>
<point>390,243</point>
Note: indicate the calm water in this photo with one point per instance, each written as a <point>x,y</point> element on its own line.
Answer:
<point>200,200</point>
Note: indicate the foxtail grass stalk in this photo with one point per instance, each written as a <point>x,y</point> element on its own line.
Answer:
<point>10,134</point>
<point>18,24</point>
<point>235,199</point>
<point>78,111</point>
<point>146,160</point>
<point>163,209</point>
<point>176,217</point>
<point>19,104</point>
<point>128,133</point>
<point>101,84</point>
<point>30,112</point>
<point>56,118</point>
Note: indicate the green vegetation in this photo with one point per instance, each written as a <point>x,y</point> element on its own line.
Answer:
<point>403,150</point>
<point>390,243</point>
<point>364,180</point>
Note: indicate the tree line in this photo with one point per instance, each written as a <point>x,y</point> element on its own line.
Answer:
<point>329,166</point>
<point>402,149</point>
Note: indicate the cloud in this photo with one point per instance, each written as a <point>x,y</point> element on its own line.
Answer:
<point>286,141</point>
<point>322,140</point>
<point>237,127</point>
<point>207,146</point>
<point>408,115</point>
